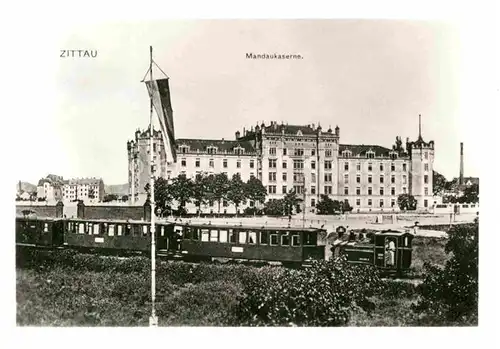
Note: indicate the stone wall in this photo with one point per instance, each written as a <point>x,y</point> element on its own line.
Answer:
<point>113,212</point>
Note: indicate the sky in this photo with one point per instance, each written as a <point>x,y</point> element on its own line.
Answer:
<point>372,78</point>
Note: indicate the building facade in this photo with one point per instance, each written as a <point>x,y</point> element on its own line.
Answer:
<point>50,188</point>
<point>309,161</point>
<point>86,189</point>
<point>55,188</point>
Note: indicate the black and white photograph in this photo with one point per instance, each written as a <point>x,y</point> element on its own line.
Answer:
<point>250,173</point>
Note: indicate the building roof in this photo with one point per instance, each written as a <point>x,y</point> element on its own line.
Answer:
<point>472,180</point>
<point>52,179</point>
<point>294,130</point>
<point>89,181</point>
<point>362,149</point>
<point>222,145</point>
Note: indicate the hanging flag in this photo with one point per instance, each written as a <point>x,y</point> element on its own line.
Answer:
<point>160,92</point>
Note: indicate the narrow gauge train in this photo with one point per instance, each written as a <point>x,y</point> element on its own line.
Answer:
<point>388,250</point>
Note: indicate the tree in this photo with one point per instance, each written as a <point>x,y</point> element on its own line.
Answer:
<point>200,188</point>
<point>451,293</point>
<point>345,206</point>
<point>325,205</point>
<point>275,207</point>
<point>109,197</point>
<point>291,201</point>
<point>181,189</point>
<point>438,183</point>
<point>163,197</point>
<point>236,191</point>
<point>217,187</point>
<point>255,191</point>
<point>125,198</point>
<point>407,202</point>
<point>471,194</point>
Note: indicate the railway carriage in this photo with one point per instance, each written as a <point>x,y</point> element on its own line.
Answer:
<point>288,245</point>
<point>43,232</point>
<point>115,234</point>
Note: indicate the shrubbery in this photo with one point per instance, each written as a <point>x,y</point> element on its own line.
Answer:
<point>321,295</point>
<point>451,293</point>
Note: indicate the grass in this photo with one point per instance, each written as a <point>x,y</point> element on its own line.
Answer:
<point>110,292</point>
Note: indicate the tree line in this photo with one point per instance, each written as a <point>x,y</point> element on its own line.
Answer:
<point>205,189</point>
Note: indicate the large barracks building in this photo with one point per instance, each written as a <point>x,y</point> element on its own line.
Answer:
<point>306,158</point>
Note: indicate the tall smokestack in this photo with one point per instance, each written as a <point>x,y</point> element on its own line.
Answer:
<point>461,178</point>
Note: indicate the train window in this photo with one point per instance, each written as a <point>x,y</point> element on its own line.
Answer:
<point>145,230</point>
<point>204,235</point>
<point>138,230</point>
<point>195,233</point>
<point>127,230</point>
<point>119,230</point>
<point>88,228</point>
<point>111,230</point>
<point>406,241</point>
<point>252,237</point>
<point>81,228</point>
<point>69,226</point>
<point>264,237</point>
<point>162,231</point>
<point>274,239</point>
<point>310,238</point>
<point>214,235</point>
<point>285,239</point>
<point>390,251</point>
<point>46,227</point>
<point>295,240</point>
<point>242,238</point>
<point>222,235</point>
<point>96,229</point>
<point>232,236</point>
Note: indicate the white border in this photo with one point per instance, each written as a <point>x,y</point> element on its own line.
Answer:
<point>44,19</point>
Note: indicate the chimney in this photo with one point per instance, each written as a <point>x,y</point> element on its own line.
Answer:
<point>237,135</point>
<point>461,178</point>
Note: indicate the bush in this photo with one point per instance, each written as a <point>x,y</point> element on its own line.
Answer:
<point>251,211</point>
<point>451,293</point>
<point>275,207</point>
<point>322,295</point>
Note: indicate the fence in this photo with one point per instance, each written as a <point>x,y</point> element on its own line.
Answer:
<point>465,208</point>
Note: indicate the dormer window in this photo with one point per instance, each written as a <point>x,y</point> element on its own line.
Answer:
<point>299,133</point>
<point>183,148</point>
<point>370,154</point>
<point>346,153</point>
<point>393,155</point>
<point>211,150</point>
<point>238,150</point>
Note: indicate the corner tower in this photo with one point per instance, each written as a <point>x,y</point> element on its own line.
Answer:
<point>421,169</point>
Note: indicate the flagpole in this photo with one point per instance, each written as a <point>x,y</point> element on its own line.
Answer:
<point>153,320</point>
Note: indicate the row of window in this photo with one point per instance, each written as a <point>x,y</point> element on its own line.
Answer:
<point>272,238</point>
<point>211,163</point>
<point>328,165</point>
<point>329,190</point>
<point>329,153</point>
<point>299,177</point>
<point>298,164</point>
<point>183,149</point>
